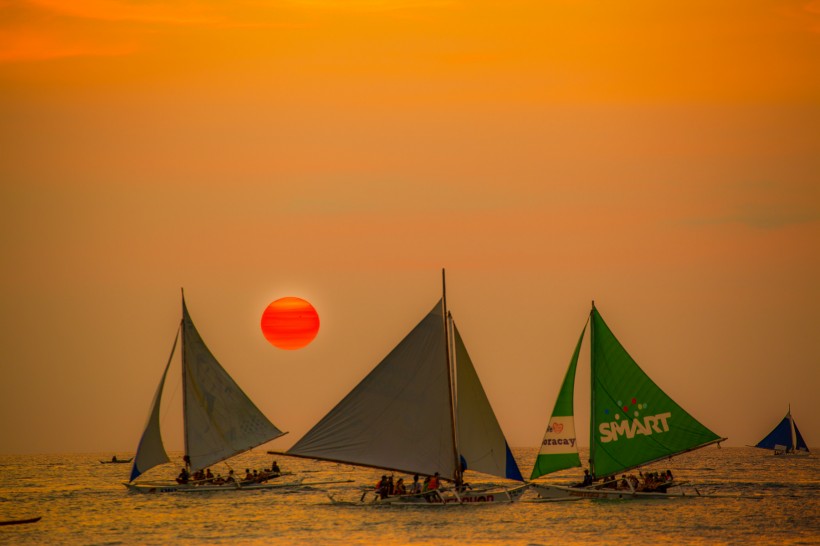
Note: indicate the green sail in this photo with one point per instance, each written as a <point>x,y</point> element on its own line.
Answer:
<point>559,449</point>
<point>633,421</point>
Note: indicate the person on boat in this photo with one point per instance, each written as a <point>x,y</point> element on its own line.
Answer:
<point>624,483</point>
<point>209,477</point>
<point>431,483</point>
<point>382,487</point>
<point>648,482</point>
<point>434,482</point>
<point>183,476</point>
<point>415,487</point>
<point>230,478</point>
<point>669,477</point>
<point>633,481</point>
<point>400,489</point>
<point>219,480</point>
<point>274,468</point>
<point>587,481</point>
<point>114,459</point>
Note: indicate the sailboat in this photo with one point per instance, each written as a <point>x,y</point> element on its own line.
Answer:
<point>632,423</point>
<point>785,439</point>
<point>219,420</point>
<point>426,393</point>
<point>115,460</point>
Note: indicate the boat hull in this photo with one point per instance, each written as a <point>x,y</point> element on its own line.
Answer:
<point>169,487</point>
<point>488,496</point>
<point>21,521</point>
<point>561,492</point>
<point>795,453</point>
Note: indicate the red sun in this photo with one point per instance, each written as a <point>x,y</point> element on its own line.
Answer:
<point>290,323</point>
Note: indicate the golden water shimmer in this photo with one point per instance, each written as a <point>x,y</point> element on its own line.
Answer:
<point>83,502</point>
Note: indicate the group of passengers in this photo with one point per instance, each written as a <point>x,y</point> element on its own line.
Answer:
<point>655,482</point>
<point>205,476</point>
<point>386,488</point>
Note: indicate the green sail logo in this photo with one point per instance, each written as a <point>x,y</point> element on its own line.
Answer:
<point>620,427</point>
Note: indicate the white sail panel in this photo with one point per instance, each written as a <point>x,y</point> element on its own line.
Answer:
<point>220,419</point>
<point>792,430</point>
<point>398,416</point>
<point>559,439</point>
<point>150,451</point>
<point>481,442</point>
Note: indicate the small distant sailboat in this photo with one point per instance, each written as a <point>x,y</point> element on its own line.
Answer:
<point>785,439</point>
<point>426,393</point>
<point>115,460</point>
<point>633,423</point>
<point>219,419</point>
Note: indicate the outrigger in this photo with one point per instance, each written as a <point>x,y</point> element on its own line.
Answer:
<point>425,390</point>
<point>633,423</point>
<point>219,422</point>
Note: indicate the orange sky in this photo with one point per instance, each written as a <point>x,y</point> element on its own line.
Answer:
<point>660,158</point>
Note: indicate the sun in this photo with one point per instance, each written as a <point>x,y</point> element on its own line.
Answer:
<point>290,323</point>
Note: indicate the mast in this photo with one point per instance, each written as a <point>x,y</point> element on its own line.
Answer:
<point>454,396</point>
<point>450,378</point>
<point>592,391</point>
<point>186,458</point>
<point>791,429</point>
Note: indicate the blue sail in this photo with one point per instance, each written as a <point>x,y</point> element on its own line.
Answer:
<point>801,443</point>
<point>781,435</point>
<point>785,436</point>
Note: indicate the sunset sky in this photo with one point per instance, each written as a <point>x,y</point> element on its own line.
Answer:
<point>661,158</point>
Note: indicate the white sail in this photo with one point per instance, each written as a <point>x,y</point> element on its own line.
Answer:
<point>792,431</point>
<point>220,419</point>
<point>481,442</point>
<point>398,416</point>
<point>150,451</point>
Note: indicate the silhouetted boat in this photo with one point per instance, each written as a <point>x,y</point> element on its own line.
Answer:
<point>785,439</point>
<point>114,460</point>
<point>20,521</point>
<point>219,420</point>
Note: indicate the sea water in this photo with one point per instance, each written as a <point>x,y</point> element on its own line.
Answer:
<point>762,499</point>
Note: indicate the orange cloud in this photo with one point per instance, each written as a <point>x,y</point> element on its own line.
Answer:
<point>144,12</point>
<point>34,44</point>
<point>36,30</point>
<point>425,52</point>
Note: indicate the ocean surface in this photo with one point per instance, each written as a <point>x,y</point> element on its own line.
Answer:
<point>763,500</point>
